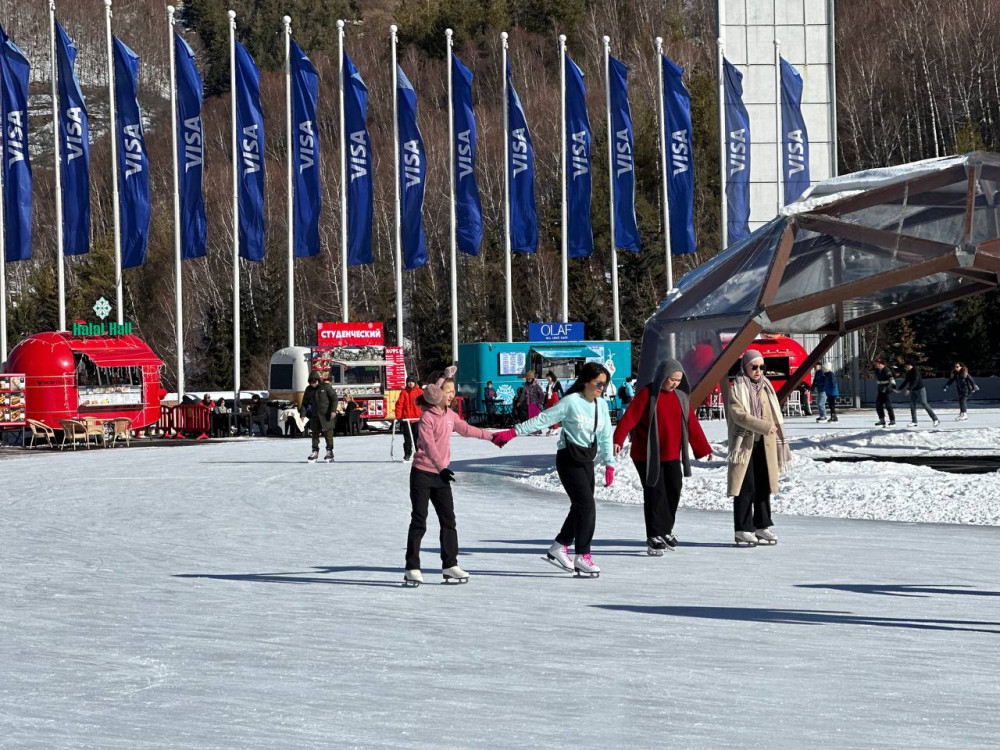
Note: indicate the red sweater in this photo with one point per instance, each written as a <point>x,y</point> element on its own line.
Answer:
<point>668,420</point>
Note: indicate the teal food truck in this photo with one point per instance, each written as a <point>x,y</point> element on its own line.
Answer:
<point>552,346</point>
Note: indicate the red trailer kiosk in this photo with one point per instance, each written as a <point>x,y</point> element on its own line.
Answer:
<point>103,377</point>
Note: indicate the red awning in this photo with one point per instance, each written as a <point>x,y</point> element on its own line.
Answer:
<point>121,357</point>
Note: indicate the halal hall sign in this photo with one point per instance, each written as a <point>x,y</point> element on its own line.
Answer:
<point>102,308</point>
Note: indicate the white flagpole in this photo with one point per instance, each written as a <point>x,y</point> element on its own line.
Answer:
<point>506,190</point>
<point>119,297</point>
<point>60,250</point>
<point>451,166</point>
<point>565,215</point>
<point>345,314</point>
<point>287,21</point>
<point>778,132</point>
<point>236,215</point>
<point>178,288</point>
<point>661,111</point>
<point>395,171</point>
<point>3,262</point>
<point>611,189</point>
<point>723,136</point>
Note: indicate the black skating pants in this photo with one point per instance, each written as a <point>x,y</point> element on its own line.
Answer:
<point>883,404</point>
<point>920,395</point>
<point>659,501</point>
<point>752,507</point>
<point>411,432</point>
<point>578,481</point>
<point>963,404</point>
<point>424,487</point>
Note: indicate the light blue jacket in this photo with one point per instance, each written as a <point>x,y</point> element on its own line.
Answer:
<point>577,417</point>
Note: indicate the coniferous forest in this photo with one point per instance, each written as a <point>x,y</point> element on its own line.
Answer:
<point>914,80</point>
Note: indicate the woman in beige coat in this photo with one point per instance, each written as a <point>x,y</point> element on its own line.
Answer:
<point>758,450</point>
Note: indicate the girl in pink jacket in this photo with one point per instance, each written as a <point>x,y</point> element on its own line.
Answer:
<point>430,478</point>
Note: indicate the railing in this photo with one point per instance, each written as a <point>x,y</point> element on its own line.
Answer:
<point>191,420</point>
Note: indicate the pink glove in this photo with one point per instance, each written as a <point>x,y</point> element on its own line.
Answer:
<point>609,476</point>
<point>500,439</point>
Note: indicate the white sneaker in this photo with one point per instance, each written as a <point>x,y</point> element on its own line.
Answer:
<point>454,574</point>
<point>746,537</point>
<point>413,578</point>
<point>559,556</point>
<point>765,536</point>
<point>584,565</point>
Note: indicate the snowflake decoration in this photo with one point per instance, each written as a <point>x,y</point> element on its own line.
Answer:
<point>103,308</point>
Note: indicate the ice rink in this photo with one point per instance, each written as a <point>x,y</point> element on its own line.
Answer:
<point>232,596</point>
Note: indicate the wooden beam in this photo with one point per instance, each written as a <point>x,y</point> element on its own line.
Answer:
<point>896,191</point>
<point>919,305</point>
<point>988,255</point>
<point>901,244</point>
<point>720,367</point>
<point>799,375</point>
<point>970,203</point>
<point>778,264</point>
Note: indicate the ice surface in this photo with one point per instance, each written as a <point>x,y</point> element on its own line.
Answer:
<point>232,596</point>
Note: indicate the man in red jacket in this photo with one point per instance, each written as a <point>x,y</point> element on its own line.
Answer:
<point>664,430</point>
<point>408,415</point>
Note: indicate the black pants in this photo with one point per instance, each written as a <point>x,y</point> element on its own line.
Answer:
<point>425,486</point>
<point>659,502</point>
<point>883,404</point>
<point>963,404</point>
<point>920,395</point>
<point>752,507</point>
<point>578,481</point>
<point>831,402</point>
<point>315,430</point>
<point>411,432</point>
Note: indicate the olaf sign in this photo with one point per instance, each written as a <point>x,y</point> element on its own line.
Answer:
<point>555,331</point>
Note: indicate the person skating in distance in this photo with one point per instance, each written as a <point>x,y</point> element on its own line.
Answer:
<point>913,386</point>
<point>664,431</point>
<point>758,450</point>
<point>319,404</point>
<point>430,478</point>
<point>965,386</point>
<point>586,431</point>
<point>883,397</point>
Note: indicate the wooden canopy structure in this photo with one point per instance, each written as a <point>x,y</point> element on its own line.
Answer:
<point>855,250</point>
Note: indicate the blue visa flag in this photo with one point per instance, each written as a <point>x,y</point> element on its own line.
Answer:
<point>74,149</point>
<point>14,71</point>
<point>412,175</point>
<point>737,137</point>
<point>360,192</point>
<point>190,152</point>
<point>468,207</point>
<point>250,164</point>
<point>521,163</point>
<point>794,137</point>
<point>133,163</point>
<point>305,154</point>
<point>626,229</point>
<point>580,242</point>
<point>680,159</point>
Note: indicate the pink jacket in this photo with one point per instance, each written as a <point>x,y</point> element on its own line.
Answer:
<point>434,442</point>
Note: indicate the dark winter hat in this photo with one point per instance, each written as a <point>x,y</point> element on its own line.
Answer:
<point>314,376</point>
<point>433,395</point>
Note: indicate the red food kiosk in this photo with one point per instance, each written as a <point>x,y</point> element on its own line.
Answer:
<point>71,377</point>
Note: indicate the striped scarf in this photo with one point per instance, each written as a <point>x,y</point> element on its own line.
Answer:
<point>752,396</point>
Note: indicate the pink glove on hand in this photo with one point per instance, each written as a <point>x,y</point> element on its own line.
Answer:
<point>609,476</point>
<point>500,439</point>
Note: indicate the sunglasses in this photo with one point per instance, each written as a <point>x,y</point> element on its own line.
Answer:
<point>755,368</point>
<point>602,384</point>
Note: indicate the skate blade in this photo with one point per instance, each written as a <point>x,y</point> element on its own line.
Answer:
<point>765,543</point>
<point>654,552</point>
<point>450,581</point>
<point>554,561</point>
<point>740,543</point>
<point>408,584</point>
<point>584,574</point>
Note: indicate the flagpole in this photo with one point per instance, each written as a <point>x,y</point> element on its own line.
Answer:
<point>345,308</point>
<point>777,121</point>
<point>611,188</point>
<point>178,289</point>
<point>395,171</point>
<point>3,261</point>
<point>236,215</point>
<point>506,190</point>
<point>119,297</point>
<point>451,165</point>
<point>661,111</point>
<point>565,214</point>
<point>287,21</point>
<point>724,223</point>
<point>60,272</point>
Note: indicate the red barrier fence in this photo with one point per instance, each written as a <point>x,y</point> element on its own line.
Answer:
<point>190,420</point>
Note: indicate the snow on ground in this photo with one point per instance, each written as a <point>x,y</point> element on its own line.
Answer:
<point>869,490</point>
<point>229,596</point>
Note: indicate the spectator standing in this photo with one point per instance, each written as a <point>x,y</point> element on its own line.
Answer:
<point>913,384</point>
<point>533,394</point>
<point>553,392</point>
<point>408,415</point>
<point>319,404</point>
<point>886,384</point>
<point>965,386</point>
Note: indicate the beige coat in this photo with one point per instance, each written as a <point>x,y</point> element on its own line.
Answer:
<point>737,414</point>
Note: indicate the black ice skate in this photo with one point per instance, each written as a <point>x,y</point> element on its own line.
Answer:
<point>312,457</point>
<point>655,545</point>
<point>328,458</point>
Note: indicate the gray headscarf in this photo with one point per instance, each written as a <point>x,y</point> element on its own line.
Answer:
<point>666,368</point>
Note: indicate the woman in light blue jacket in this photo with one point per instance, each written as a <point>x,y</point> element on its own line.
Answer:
<point>586,432</point>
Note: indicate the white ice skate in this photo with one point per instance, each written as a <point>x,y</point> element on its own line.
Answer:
<point>454,574</point>
<point>912,424</point>
<point>585,567</point>
<point>328,457</point>
<point>413,578</point>
<point>937,422</point>
<point>961,417</point>
<point>312,457</point>
<point>747,538</point>
<point>765,536</point>
<point>559,556</point>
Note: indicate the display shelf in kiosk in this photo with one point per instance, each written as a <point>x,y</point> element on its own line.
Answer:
<point>13,407</point>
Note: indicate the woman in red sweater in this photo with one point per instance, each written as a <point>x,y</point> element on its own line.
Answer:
<point>661,452</point>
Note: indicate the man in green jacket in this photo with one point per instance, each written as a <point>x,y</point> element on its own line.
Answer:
<point>319,406</point>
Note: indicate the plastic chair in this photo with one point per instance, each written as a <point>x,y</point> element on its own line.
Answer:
<point>793,404</point>
<point>40,431</point>
<point>716,406</point>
